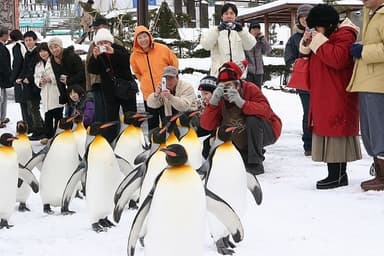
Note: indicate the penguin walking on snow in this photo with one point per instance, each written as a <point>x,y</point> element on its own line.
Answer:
<point>58,166</point>
<point>227,177</point>
<point>175,211</point>
<point>103,175</point>
<point>9,178</point>
<point>24,152</point>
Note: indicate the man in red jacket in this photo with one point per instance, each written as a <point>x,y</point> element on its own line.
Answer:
<point>237,102</point>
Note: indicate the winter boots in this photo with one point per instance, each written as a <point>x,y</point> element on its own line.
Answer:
<point>378,182</point>
<point>337,176</point>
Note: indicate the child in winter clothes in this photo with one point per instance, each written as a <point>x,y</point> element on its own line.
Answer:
<point>81,103</point>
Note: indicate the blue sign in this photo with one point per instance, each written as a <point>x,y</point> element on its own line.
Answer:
<point>150,2</point>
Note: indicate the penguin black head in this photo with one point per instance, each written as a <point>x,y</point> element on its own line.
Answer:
<point>6,139</point>
<point>185,118</point>
<point>66,123</point>
<point>159,135</point>
<point>21,127</point>
<point>171,125</point>
<point>99,128</point>
<point>135,118</point>
<point>224,132</point>
<point>175,154</point>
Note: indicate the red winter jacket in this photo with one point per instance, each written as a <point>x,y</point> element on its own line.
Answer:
<point>333,110</point>
<point>256,104</point>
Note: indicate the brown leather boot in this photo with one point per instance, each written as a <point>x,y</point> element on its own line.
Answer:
<point>378,182</point>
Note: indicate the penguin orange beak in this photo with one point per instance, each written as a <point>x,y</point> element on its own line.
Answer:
<point>173,118</point>
<point>106,125</point>
<point>230,129</point>
<point>12,138</point>
<point>70,119</point>
<point>168,152</point>
<point>194,113</point>
<point>162,130</point>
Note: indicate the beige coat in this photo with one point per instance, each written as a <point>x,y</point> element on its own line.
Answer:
<point>217,42</point>
<point>368,72</point>
<point>183,100</point>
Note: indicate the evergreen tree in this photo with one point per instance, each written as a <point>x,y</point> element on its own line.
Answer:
<point>166,26</point>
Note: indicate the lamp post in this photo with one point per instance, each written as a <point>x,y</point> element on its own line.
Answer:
<point>197,13</point>
<point>142,12</point>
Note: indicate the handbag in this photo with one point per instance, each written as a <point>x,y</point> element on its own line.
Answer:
<point>300,74</point>
<point>123,89</point>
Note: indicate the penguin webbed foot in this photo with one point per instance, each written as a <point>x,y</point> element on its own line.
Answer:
<point>78,195</point>
<point>133,205</point>
<point>47,209</point>
<point>98,228</point>
<point>4,224</point>
<point>106,223</point>
<point>223,245</point>
<point>23,208</point>
<point>66,211</point>
<point>141,240</point>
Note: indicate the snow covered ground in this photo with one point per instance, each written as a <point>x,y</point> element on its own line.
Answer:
<point>294,219</point>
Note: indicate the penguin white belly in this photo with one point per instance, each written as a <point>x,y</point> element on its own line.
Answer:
<point>23,149</point>
<point>227,180</point>
<point>8,182</point>
<point>130,144</point>
<point>176,219</point>
<point>193,146</point>
<point>81,136</point>
<point>59,164</point>
<point>156,164</point>
<point>103,178</point>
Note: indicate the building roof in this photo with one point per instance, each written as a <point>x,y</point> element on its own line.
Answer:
<point>280,11</point>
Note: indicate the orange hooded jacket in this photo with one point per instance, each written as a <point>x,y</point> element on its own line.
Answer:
<point>148,66</point>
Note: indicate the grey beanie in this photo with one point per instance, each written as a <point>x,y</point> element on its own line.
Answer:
<point>303,10</point>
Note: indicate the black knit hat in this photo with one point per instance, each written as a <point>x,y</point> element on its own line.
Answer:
<point>323,15</point>
<point>254,24</point>
<point>208,84</point>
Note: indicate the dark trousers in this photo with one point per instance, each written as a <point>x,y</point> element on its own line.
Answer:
<point>259,135</point>
<point>257,79</point>
<point>33,110</point>
<point>51,119</point>
<point>25,116</point>
<point>157,115</point>
<point>307,134</point>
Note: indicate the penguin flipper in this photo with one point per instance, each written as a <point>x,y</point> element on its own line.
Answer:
<point>72,184</point>
<point>126,189</point>
<point>255,188</point>
<point>147,154</point>
<point>124,165</point>
<point>138,223</point>
<point>36,159</point>
<point>27,176</point>
<point>224,212</point>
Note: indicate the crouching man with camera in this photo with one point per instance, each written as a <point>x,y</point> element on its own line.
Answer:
<point>239,103</point>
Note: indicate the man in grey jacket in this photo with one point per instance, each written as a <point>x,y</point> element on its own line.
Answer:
<point>255,55</point>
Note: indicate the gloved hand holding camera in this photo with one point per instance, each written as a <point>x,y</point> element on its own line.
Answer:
<point>234,97</point>
<point>217,94</point>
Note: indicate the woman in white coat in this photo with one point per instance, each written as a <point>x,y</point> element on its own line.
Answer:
<point>228,41</point>
<point>45,79</point>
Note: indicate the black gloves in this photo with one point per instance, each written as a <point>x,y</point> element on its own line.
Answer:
<point>230,26</point>
<point>356,50</point>
<point>238,26</point>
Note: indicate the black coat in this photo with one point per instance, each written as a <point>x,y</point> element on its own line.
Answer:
<point>72,66</point>
<point>292,52</point>
<point>118,63</point>
<point>17,68</point>
<point>28,91</point>
<point>5,67</point>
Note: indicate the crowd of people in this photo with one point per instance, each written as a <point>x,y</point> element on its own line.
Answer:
<point>348,74</point>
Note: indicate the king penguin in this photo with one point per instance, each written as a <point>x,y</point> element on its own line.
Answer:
<point>175,211</point>
<point>23,149</point>
<point>103,176</point>
<point>80,134</point>
<point>190,141</point>
<point>58,166</point>
<point>131,141</point>
<point>229,180</point>
<point>8,178</point>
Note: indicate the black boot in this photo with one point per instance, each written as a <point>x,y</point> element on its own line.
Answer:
<point>337,176</point>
